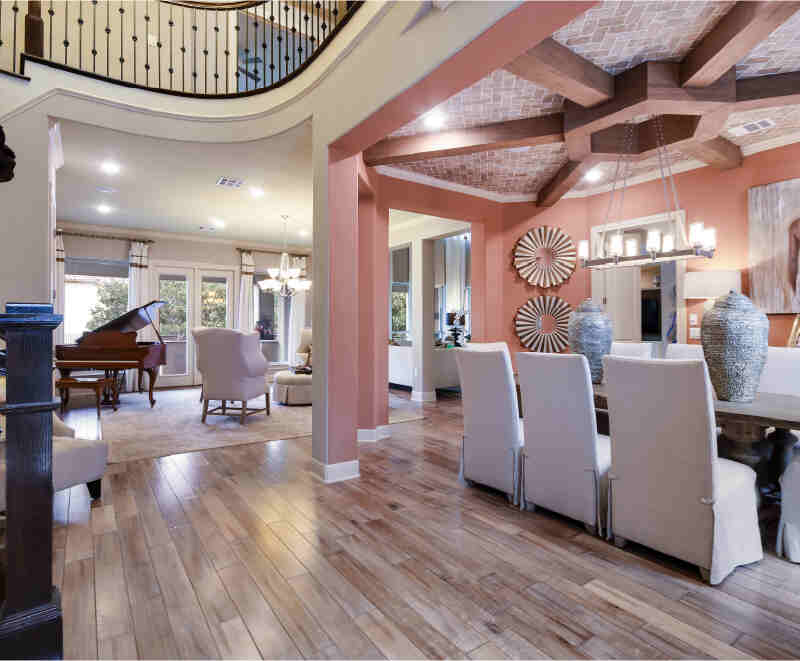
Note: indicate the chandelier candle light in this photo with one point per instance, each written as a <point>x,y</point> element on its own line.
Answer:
<point>660,246</point>
<point>286,279</point>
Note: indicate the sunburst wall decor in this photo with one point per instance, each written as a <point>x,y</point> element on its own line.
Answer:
<point>542,323</point>
<point>545,256</point>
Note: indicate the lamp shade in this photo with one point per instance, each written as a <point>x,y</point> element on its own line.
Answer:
<point>711,284</point>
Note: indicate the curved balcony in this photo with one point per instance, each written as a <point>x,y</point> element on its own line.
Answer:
<point>179,47</point>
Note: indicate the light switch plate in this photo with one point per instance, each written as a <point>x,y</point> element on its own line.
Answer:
<point>693,319</point>
<point>694,333</point>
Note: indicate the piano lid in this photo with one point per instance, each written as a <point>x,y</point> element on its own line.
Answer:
<point>133,320</point>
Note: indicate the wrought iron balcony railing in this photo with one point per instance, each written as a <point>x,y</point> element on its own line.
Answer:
<point>183,47</point>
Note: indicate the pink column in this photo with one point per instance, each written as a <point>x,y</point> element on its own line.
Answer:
<point>373,308</point>
<point>343,333</point>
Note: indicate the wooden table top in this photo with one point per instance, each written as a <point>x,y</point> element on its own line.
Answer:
<point>767,409</point>
<point>97,364</point>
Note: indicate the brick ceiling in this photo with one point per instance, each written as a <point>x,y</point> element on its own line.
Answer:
<point>614,36</point>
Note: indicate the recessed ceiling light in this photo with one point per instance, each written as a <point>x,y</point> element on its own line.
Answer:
<point>217,222</point>
<point>104,208</point>
<point>435,119</point>
<point>303,232</point>
<point>595,174</point>
<point>256,192</point>
<point>107,190</point>
<point>110,167</point>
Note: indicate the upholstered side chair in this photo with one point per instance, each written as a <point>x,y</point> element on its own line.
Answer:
<point>233,369</point>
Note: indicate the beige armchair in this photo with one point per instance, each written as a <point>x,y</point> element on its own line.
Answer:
<point>304,349</point>
<point>75,461</point>
<point>233,369</point>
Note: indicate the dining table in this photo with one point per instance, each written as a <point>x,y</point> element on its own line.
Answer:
<point>756,433</point>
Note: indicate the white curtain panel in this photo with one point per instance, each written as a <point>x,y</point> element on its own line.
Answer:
<point>297,322</point>
<point>138,293</point>
<point>245,321</point>
<point>455,272</point>
<point>60,286</point>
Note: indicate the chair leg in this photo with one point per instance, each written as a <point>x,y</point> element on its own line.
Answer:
<point>205,410</point>
<point>705,574</point>
<point>267,397</point>
<point>620,542</point>
<point>243,416</point>
<point>94,488</point>
<point>592,530</point>
<point>201,392</point>
<point>224,406</point>
<point>97,397</point>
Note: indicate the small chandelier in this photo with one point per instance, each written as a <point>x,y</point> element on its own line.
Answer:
<point>659,247</point>
<point>285,280</point>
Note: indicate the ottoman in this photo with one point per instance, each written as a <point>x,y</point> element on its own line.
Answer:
<point>291,389</point>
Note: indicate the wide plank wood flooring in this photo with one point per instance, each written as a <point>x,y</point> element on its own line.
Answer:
<point>239,553</point>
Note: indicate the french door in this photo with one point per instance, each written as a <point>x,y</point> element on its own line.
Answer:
<point>194,297</point>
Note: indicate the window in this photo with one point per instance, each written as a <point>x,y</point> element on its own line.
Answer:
<point>400,308</point>
<point>270,319</point>
<point>400,295</point>
<point>95,292</point>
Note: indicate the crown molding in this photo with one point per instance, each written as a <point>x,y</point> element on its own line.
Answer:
<point>172,236</point>
<point>415,177</point>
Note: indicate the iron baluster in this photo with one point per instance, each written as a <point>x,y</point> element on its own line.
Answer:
<point>335,13</point>
<point>134,38</point>
<point>183,49</point>
<point>205,55</point>
<point>294,40</point>
<point>246,51</point>
<point>50,13</point>
<point>94,36</point>
<point>216,52</point>
<point>263,44</point>
<point>194,51</point>
<point>255,47</point>
<point>271,42</point>
<point>66,31</point>
<point>80,34</point>
<point>171,24</point>
<point>15,10</point>
<point>158,42</point>
<point>108,39</point>
<point>147,43</point>
<point>121,41</point>
<point>227,52</point>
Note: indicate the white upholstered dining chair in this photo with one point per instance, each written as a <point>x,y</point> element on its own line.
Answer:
<point>233,369</point>
<point>493,436</point>
<point>565,461</point>
<point>675,351</point>
<point>668,489</point>
<point>632,349</point>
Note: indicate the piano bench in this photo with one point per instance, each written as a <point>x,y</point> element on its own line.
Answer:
<point>98,384</point>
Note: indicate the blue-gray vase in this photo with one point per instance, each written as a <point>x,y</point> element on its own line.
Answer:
<point>735,338</point>
<point>590,333</point>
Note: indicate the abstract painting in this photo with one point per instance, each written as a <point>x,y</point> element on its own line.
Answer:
<point>774,237</point>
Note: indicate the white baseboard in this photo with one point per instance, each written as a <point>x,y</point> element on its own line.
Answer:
<point>328,473</point>
<point>422,396</point>
<point>372,435</point>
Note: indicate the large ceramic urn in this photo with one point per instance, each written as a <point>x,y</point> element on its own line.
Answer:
<point>734,336</point>
<point>590,333</point>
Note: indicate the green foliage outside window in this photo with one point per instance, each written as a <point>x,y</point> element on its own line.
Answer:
<point>399,311</point>
<point>214,308</point>
<point>112,301</point>
<point>172,316</point>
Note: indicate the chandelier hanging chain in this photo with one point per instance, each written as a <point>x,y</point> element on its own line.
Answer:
<point>626,156</point>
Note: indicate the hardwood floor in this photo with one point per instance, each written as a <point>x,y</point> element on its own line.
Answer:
<point>239,553</point>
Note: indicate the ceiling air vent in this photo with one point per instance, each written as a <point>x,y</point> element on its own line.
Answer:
<point>753,127</point>
<point>230,182</point>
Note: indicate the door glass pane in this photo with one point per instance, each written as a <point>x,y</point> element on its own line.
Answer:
<point>269,319</point>
<point>214,301</point>
<point>174,322</point>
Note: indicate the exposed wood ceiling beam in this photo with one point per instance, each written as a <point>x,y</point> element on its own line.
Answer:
<point>503,135</point>
<point>563,181</point>
<point>737,33</point>
<point>612,141</point>
<point>649,88</point>
<point>782,89</point>
<point>557,68</point>
<point>717,152</point>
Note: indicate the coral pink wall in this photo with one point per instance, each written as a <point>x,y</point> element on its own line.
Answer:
<point>718,198</point>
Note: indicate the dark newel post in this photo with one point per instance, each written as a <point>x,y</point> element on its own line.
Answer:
<point>30,617</point>
<point>34,29</point>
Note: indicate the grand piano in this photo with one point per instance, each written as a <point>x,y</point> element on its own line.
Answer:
<point>113,344</point>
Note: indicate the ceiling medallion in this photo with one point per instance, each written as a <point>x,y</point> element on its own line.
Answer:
<point>545,256</point>
<point>542,323</point>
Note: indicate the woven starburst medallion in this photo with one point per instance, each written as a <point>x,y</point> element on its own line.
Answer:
<point>545,256</point>
<point>542,323</point>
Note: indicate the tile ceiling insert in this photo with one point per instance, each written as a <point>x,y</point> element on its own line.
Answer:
<point>498,97</point>
<point>642,168</point>
<point>619,35</point>
<point>503,171</point>
<point>778,53</point>
<point>786,118</point>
